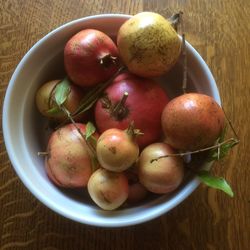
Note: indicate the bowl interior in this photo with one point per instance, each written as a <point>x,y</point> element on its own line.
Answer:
<point>26,132</point>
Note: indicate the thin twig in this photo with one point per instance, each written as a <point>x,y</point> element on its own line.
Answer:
<point>218,153</point>
<point>184,55</point>
<point>91,149</point>
<point>197,151</point>
<point>91,97</point>
<point>94,94</point>
<point>230,124</point>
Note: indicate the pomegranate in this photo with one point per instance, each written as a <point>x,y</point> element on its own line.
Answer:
<point>130,98</point>
<point>163,175</point>
<point>68,163</point>
<point>148,44</point>
<point>90,57</point>
<point>45,101</point>
<point>192,121</point>
<point>107,189</point>
<point>116,149</point>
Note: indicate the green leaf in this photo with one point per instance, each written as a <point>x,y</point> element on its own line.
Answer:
<point>220,152</point>
<point>54,110</point>
<point>62,91</point>
<point>215,182</point>
<point>94,163</point>
<point>90,130</point>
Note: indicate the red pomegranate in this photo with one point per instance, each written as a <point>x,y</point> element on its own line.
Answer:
<point>128,99</point>
<point>90,57</point>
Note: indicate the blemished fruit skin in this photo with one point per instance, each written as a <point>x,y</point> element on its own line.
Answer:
<point>44,101</point>
<point>68,163</point>
<point>116,150</point>
<point>192,121</point>
<point>86,57</point>
<point>145,103</point>
<point>148,44</point>
<point>109,190</point>
<point>160,176</point>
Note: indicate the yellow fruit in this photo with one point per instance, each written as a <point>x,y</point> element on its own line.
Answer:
<point>148,44</point>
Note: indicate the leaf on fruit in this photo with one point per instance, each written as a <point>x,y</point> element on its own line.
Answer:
<point>94,163</point>
<point>62,91</point>
<point>90,130</point>
<point>93,95</point>
<point>215,182</point>
<point>53,111</point>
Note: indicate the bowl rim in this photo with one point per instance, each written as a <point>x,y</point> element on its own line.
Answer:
<point>181,196</point>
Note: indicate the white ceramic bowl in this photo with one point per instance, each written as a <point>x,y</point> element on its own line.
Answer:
<point>25,135</point>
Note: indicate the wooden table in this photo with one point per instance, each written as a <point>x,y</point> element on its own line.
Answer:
<point>208,219</point>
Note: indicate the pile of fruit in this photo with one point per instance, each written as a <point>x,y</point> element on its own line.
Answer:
<point>116,131</point>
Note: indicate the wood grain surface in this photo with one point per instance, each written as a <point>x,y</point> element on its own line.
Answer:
<point>208,219</point>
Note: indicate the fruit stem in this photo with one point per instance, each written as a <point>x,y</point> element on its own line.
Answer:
<point>218,145</point>
<point>175,19</point>
<point>107,60</point>
<point>132,131</point>
<point>106,103</point>
<point>119,109</point>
